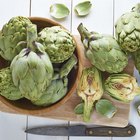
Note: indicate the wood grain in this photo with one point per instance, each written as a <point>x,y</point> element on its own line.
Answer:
<point>65,111</point>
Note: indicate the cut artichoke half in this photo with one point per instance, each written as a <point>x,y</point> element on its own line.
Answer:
<point>105,108</point>
<point>83,8</point>
<point>59,11</point>
<point>79,109</point>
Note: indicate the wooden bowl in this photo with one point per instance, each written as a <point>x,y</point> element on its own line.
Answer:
<point>25,106</point>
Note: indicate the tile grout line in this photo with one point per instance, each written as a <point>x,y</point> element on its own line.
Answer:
<point>113,17</point>
<point>27,127</point>
<point>71,32</point>
<point>113,27</point>
<point>30,7</point>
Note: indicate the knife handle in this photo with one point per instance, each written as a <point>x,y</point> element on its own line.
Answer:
<point>127,131</point>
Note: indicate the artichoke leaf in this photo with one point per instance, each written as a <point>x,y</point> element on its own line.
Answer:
<point>59,11</point>
<point>105,108</point>
<point>83,8</point>
<point>79,108</point>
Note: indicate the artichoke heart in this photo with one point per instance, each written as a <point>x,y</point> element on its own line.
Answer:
<point>127,30</point>
<point>7,87</point>
<point>32,69</point>
<point>90,89</point>
<point>122,87</point>
<point>103,51</point>
<point>13,32</point>
<point>58,43</point>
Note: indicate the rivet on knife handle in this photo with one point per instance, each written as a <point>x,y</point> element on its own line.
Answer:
<point>111,131</point>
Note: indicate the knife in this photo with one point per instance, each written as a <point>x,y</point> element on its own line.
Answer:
<point>83,130</point>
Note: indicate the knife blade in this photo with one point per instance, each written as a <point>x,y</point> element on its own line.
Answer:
<point>82,130</point>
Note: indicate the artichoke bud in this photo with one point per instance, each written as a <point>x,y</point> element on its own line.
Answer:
<point>122,87</point>
<point>55,92</point>
<point>103,51</point>
<point>11,34</point>
<point>7,87</point>
<point>32,69</point>
<point>127,30</point>
<point>58,43</point>
<point>90,89</point>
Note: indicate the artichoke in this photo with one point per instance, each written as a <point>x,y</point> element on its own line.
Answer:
<point>59,85</point>
<point>58,43</point>
<point>32,70</point>
<point>103,51</point>
<point>136,57</point>
<point>56,90</point>
<point>7,87</point>
<point>11,33</point>
<point>127,30</point>
<point>90,89</point>
<point>122,87</point>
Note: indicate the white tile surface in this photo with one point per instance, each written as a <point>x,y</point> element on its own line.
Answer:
<point>100,18</point>
<point>12,126</point>
<point>45,7</point>
<point>10,8</point>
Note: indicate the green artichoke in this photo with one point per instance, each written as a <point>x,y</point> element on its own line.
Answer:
<point>103,51</point>
<point>59,85</point>
<point>90,89</point>
<point>56,90</point>
<point>127,30</point>
<point>122,87</point>
<point>58,43</point>
<point>32,70</point>
<point>136,57</point>
<point>11,33</point>
<point>7,87</point>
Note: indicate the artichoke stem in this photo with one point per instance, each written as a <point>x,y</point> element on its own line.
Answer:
<point>88,106</point>
<point>31,37</point>
<point>84,33</point>
<point>136,8</point>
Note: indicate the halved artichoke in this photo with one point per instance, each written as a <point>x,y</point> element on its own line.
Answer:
<point>122,87</point>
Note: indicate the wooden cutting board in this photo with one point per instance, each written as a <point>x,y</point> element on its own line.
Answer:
<point>65,111</point>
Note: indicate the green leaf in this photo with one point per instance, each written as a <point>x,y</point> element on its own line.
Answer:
<point>59,11</point>
<point>83,8</point>
<point>79,109</point>
<point>105,108</point>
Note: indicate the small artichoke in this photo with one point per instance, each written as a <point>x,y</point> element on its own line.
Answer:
<point>56,90</point>
<point>11,33</point>
<point>7,87</point>
<point>32,69</point>
<point>127,30</point>
<point>122,87</point>
<point>90,89</point>
<point>58,43</point>
<point>136,57</point>
<point>59,85</point>
<point>103,51</point>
